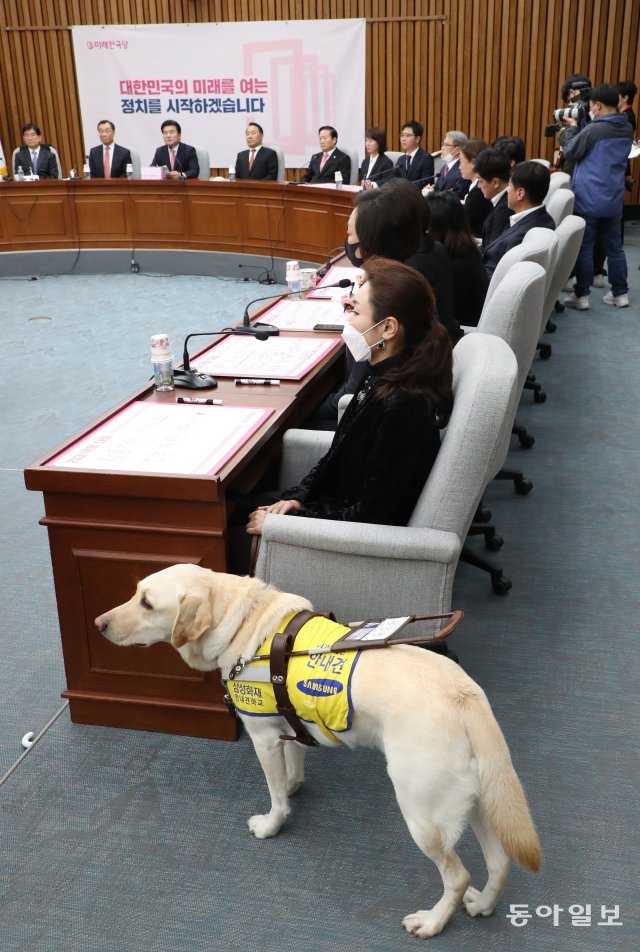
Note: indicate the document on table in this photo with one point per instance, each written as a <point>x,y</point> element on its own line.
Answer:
<point>334,274</point>
<point>165,438</point>
<point>304,315</point>
<point>279,358</point>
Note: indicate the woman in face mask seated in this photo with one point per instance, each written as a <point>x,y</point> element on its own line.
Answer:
<point>389,435</point>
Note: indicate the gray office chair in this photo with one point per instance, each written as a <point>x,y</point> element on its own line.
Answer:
<point>557,180</point>
<point>560,204</point>
<point>361,570</point>
<point>136,164</point>
<point>394,156</point>
<point>280,154</point>
<point>205,164</point>
<point>355,165</point>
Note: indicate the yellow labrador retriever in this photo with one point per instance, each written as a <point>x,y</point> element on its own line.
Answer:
<point>446,755</point>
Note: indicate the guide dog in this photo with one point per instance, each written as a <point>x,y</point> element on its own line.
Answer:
<point>446,755</point>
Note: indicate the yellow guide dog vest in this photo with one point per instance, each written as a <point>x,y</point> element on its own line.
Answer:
<point>319,685</point>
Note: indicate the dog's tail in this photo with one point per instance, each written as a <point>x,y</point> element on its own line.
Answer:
<point>502,799</point>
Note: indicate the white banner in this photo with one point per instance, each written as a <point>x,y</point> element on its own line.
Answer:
<point>214,78</point>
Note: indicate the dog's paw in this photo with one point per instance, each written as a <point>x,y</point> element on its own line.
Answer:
<point>264,825</point>
<point>477,903</point>
<point>424,923</point>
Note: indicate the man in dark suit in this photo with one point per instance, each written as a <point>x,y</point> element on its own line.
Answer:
<point>416,165</point>
<point>324,165</point>
<point>108,160</point>
<point>527,189</point>
<point>256,162</point>
<point>34,156</point>
<point>493,171</point>
<point>179,158</point>
<point>449,178</point>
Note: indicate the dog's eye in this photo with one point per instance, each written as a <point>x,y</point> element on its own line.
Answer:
<point>146,603</point>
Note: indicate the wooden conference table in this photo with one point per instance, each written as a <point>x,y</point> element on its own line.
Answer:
<point>108,530</point>
<point>259,218</point>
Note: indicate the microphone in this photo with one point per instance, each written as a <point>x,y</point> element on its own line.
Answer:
<point>323,270</point>
<point>301,168</point>
<point>192,379</point>
<point>261,331</point>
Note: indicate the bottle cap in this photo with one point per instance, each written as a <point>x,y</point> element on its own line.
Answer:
<point>160,348</point>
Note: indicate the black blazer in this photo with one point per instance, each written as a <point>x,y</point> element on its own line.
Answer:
<point>337,162</point>
<point>420,170</point>
<point>47,165</point>
<point>470,283</point>
<point>452,182</point>
<point>186,159</point>
<point>382,164</point>
<point>513,235</point>
<point>496,221</point>
<point>120,159</point>
<point>265,165</point>
<point>477,208</point>
<point>434,263</point>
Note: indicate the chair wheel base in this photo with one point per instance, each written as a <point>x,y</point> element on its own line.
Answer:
<point>539,396</point>
<point>493,542</point>
<point>501,585</point>
<point>526,441</point>
<point>545,351</point>
<point>523,486</point>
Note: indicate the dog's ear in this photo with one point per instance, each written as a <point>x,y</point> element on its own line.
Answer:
<point>193,619</point>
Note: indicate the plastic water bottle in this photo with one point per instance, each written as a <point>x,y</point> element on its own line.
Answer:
<point>129,171</point>
<point>162,360</point>
<point>165,171</point>
<point>20,174</point>
<point>294,279</point>
<point>232,173</point>
<point>338,178</point>
<point>86,171</point>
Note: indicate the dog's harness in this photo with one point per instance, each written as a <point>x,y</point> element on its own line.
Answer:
<point>333,713</point>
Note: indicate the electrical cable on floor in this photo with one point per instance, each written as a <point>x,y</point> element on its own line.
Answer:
<point>34,742</point>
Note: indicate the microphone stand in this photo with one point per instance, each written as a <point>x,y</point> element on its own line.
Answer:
<point>192,379</point>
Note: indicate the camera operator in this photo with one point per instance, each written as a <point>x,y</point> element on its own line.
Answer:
<point>575,93</point>
<point>598,154</point>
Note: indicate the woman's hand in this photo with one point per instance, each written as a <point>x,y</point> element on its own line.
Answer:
<point>280,508</point>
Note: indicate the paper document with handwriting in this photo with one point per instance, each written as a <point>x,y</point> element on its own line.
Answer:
<point>281,358</point>
<point>303,315</point>
<point>165,438</point>
<point>334,274</point>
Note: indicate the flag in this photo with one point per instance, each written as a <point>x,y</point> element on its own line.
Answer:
<point>4,173</point>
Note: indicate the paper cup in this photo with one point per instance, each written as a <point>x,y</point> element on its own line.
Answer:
<point>308,277</point>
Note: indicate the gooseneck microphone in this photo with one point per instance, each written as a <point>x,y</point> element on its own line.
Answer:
<point>192,379</point>
<point>323,270</point>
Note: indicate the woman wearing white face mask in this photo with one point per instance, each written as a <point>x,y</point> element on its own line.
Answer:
<point>388,438</point>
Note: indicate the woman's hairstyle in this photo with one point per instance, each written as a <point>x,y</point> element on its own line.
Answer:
<point>389,220</point>
<point>472,149</point>
<point>425,364</point>
<point>378,135</point>
<point>450,226</point>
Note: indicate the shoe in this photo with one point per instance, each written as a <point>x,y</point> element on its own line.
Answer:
<point>578,303</point>
<point>620,300</point>
<point>598,281</point>
<point>568,288</point>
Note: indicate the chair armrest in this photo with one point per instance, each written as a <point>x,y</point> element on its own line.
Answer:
<point>301,450</point>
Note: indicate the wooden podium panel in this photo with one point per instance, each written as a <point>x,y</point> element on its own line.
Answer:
<point>36,218</point>
<point>215,220</point>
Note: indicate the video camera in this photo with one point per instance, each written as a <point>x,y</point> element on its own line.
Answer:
<point>578,109</point>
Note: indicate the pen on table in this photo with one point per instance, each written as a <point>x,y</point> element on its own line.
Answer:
<point>257,381</point>
<point>200,400</point>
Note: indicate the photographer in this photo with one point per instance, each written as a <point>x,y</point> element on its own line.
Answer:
<point>575,93</point>
<point>598,154</point>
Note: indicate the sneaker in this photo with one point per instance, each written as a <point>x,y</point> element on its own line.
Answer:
<point>579,303</point>
<point>568,288</point>
<point>620,300</point>
<point>598,281</point>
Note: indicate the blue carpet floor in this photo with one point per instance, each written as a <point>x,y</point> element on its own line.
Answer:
<point>117,841</point>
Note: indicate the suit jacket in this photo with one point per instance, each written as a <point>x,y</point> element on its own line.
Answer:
<point>265,165</point>
<point>434,263</point>
<point>452,182</point>
<point>120,158</point>
<point>477,209</point>
<point>382,164</point>
<point>338,162</point>
<point>420,170</point>
<point>496,221</point>
<point>513,235</point>
<point>47,165</point>
<point>186,159</point>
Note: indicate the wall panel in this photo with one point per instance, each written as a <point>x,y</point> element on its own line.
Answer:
<point>486,66</point>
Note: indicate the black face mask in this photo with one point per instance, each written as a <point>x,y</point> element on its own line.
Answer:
<point>350,251</point>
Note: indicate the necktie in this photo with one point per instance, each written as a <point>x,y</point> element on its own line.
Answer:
<point>107,164</point>
<point>323,160</point>
<point>34,161</point>
<point>445,170</point>
<point>172,159</point>
<point>251,158</point>
<point>408,163</point>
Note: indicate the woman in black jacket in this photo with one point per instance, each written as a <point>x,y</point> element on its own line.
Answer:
<point>388,438</point>
<point>476,206</point>
<point>470,282</point>
<point>375,162</point>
